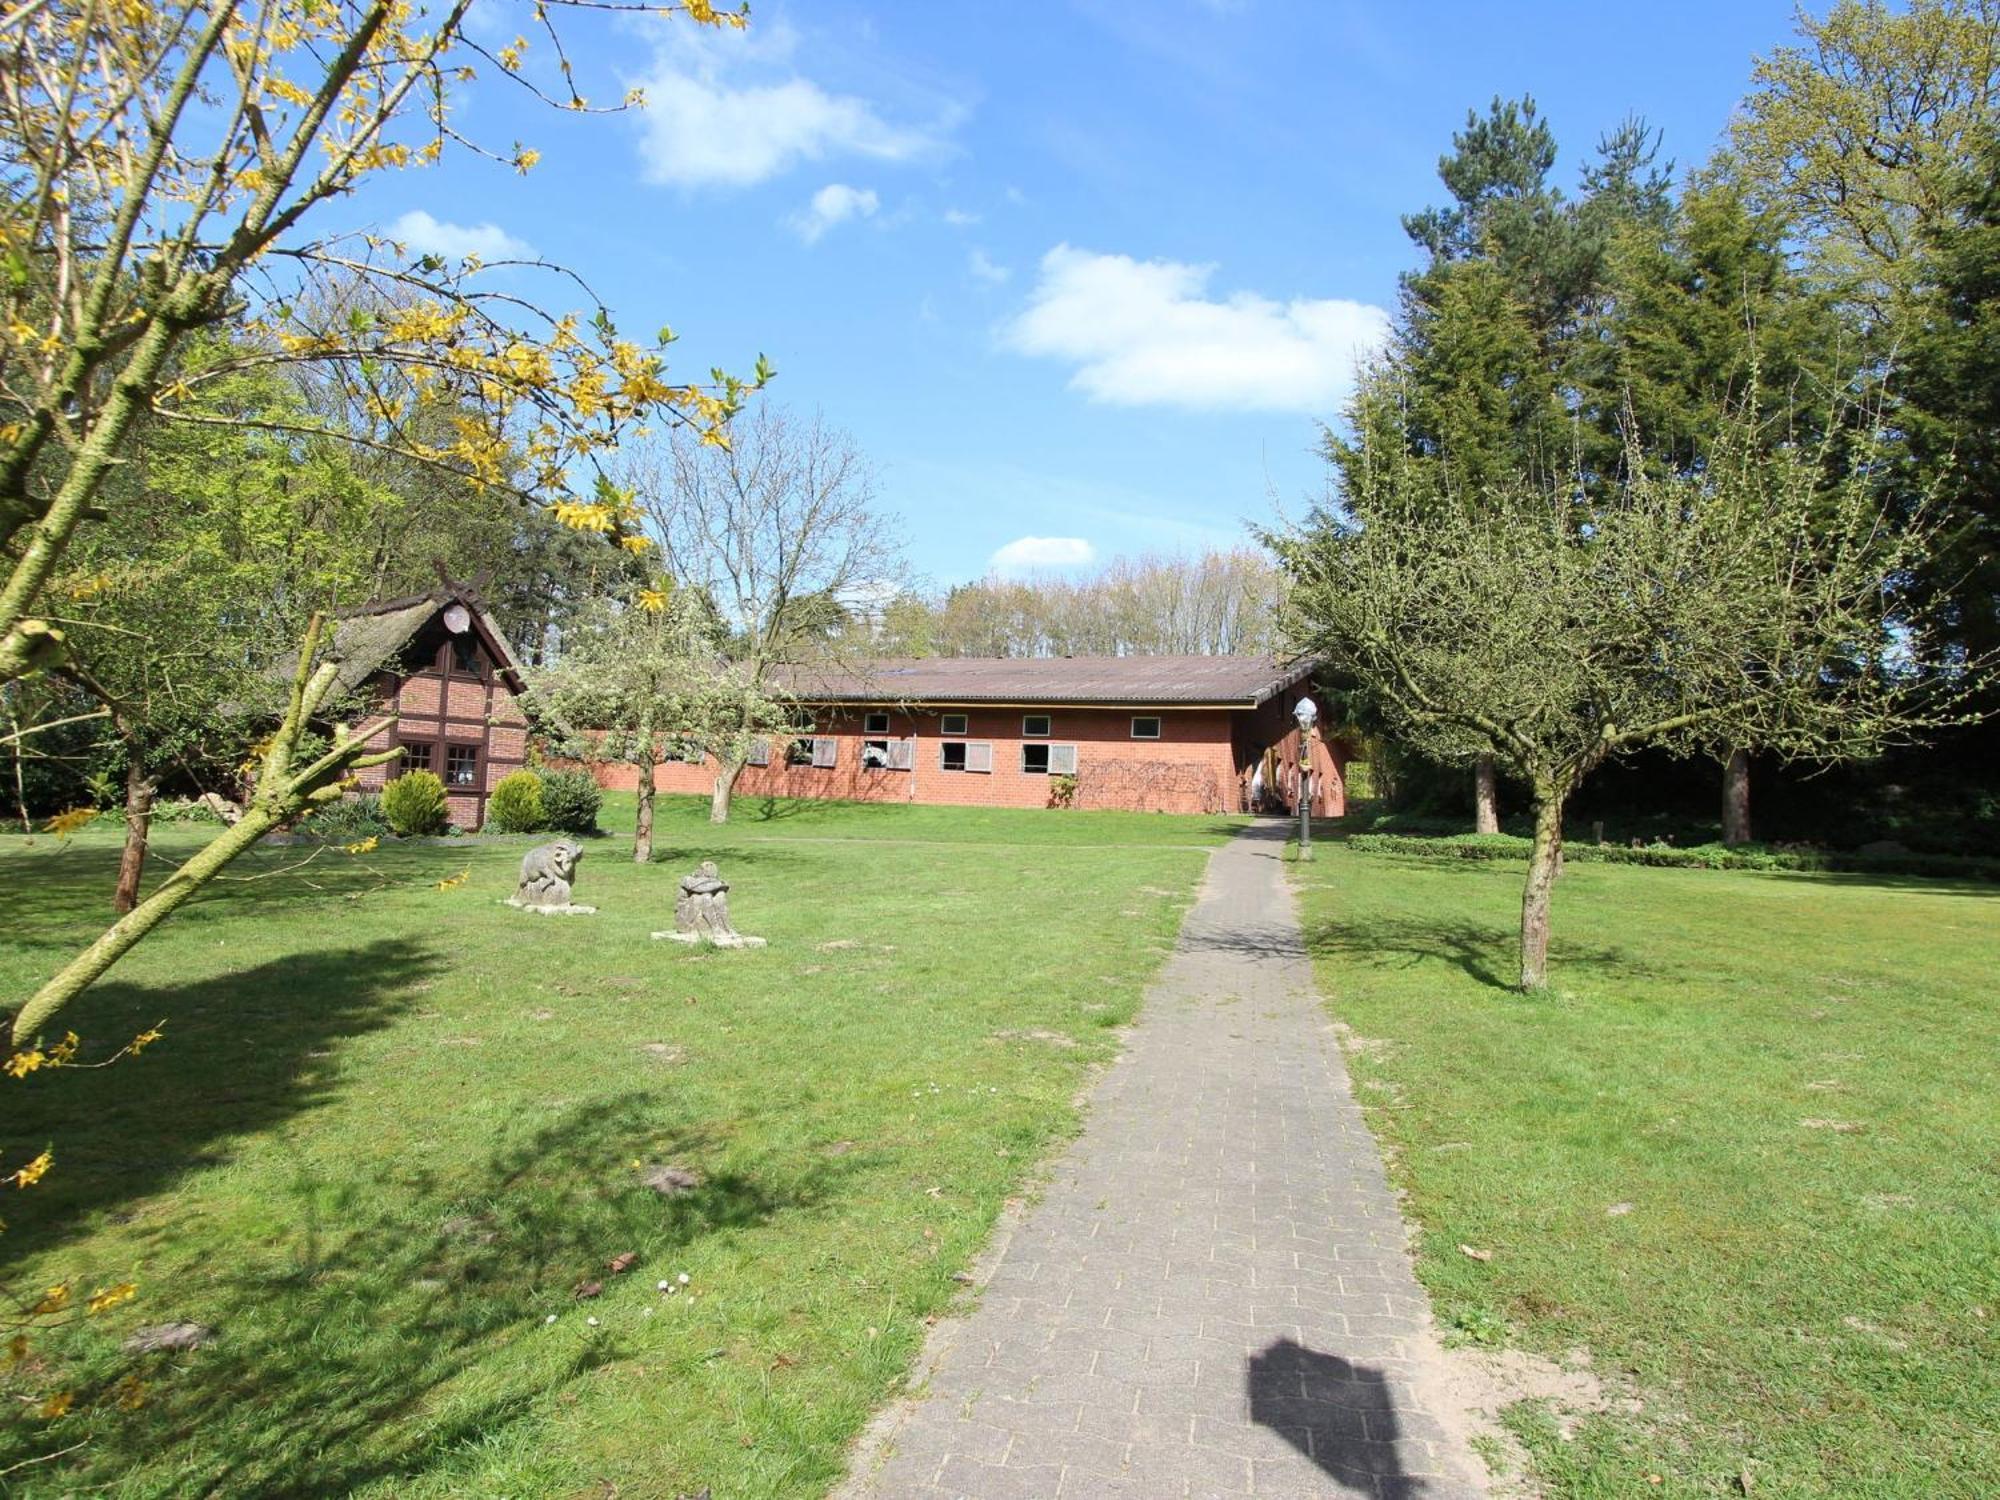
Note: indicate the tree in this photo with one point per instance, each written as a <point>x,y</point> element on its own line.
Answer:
<point>779,527</point>
<point>639,680</point>
<point>161,168</point>
<point>1759,600</point>
<point>1860,134</point>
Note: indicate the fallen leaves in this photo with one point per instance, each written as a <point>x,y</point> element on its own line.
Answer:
<point>618,1265</point>
<point>1479,1255</point>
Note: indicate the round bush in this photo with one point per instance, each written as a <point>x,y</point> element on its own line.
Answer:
<point>516,805</point>
<point>570,800</point>
<point>414,803</point>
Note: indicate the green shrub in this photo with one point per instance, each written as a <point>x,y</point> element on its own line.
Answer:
<point>348,821</point>
<point>570,800</point>
<point>414,803</point>
<point>516,805</point>
<point>183,810</point>
<point>1692,857</point>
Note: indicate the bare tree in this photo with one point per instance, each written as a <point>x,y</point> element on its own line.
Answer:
<point>780,528</point>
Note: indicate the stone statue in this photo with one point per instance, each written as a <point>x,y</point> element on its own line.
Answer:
<point>546,873</point>
<point>701,912</point>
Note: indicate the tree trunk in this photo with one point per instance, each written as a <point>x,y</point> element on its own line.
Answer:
<point>1485,797</point>
<point>725,788</point>
<point>642,831</point>
<point>139,791</point>
<point>1544,865</point>
<point>1736,798</point>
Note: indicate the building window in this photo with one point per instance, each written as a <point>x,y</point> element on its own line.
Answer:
<point>1048,760</point>
<point>1145,728</point>
<point>461,765</point>
<point>1034,726</point>
<point>950,724</point>
<point>875,724</point>
<point>799,752</point>
<point>465,655</point>
<point>959,755</point>
<point>415,755</point>
<point>874,754</point>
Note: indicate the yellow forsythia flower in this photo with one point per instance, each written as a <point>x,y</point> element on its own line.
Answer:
<point>107,1297</point>
<point>652,600</point>
<point>21,1064</point>
<point>366,846</point>
<point>56,1405</point>
<point>54,1300</point>
<point>453,882</point>
<point>34,1171</point>
<point>63,824</point>
<point>144,1040</point>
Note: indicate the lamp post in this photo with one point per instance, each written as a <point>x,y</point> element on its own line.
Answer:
<point>1307,713</point>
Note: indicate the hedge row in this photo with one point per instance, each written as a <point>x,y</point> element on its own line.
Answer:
<point>1694,857</point>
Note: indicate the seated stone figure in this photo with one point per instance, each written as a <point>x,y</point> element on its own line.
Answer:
<point>701,912</point>
<point>546,873</point>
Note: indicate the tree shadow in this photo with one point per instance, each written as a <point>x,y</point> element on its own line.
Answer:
<point>1340,1414</point>
<point>241,1053</point>
<point>1487,954</point>
<point>374,1335</point>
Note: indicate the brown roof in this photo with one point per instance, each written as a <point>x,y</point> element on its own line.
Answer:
<point>1237,681</point>
<point>367,637</point>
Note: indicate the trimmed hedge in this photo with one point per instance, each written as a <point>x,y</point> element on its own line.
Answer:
<point>414,804</point>
<point>515,805</point>
<point>570,800</point>
<point>1488,846</point>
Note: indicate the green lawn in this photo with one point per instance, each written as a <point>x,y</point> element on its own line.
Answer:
<point>1746,1152</point>
<point>391,1128</point>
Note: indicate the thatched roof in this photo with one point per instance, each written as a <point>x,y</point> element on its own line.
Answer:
<point>369,636</point>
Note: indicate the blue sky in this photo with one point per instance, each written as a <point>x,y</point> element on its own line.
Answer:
<point>1081,278</point>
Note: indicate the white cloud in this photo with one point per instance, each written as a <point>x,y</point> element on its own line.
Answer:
<point>983,266</point>
<point>1025,554</point>
<point>1145,333</point>
<point>705,127</point>
<point>833,204</point>
<point>430,236</point>
<point>960,218</point>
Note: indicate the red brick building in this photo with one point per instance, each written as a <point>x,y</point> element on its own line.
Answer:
<point>439,662</point>
<point>1185,734</point>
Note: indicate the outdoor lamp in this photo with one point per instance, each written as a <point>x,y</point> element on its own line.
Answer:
<point>1307,713</point>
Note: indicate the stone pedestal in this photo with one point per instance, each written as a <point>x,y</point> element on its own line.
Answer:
<point>701,912</point>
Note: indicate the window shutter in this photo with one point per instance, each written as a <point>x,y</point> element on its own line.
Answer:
<point>978,756</point>
<point>760,752</point>
<point>826,751</point>
<point>1062,760</point>
<point>902,754</point>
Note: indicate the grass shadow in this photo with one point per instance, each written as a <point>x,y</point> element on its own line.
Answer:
<point>241,1053</point>
<point>1486,953</point>
<point>341,1341</point>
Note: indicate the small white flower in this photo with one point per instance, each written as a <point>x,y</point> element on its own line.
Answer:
<point>684,1278</point>
<point>662,1286</point>
<point>550,1318</point>
<point>591,1321</point>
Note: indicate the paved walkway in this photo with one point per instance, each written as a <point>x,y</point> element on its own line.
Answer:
<point>1213,1297</point>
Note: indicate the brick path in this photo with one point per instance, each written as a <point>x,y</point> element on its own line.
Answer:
<point>1212,1298</point>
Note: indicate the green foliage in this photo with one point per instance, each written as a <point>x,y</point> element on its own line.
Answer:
<point>1506,846</point>
<point>516,805</point>
<point>349,820</point>
<point>570,800</point>
<point>184,810</point>
<point>414,804</point>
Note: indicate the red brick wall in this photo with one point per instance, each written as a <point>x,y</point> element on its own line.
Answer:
<point>1199,764</point>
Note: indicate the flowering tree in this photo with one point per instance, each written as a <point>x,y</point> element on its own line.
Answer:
<point>161,167</point>
<point>639,681</point>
